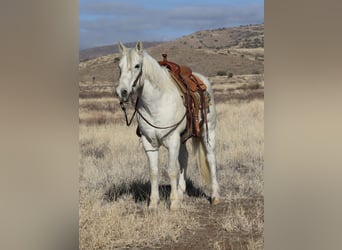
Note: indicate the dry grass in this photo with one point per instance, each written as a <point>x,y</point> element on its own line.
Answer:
<point>126,224</point>
<point>244,221</point>
<point>240,148</point>
<point>114,180</point>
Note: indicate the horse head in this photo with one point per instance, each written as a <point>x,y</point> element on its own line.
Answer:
<point>130,70</point>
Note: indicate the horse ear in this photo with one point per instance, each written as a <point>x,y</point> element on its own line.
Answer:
<point>121,47</point>
<point>139,47</point>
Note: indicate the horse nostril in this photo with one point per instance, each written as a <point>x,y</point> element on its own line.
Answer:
<point>123,93</point>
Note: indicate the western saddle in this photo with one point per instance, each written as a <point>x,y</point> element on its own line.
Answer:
<point>196,98</point>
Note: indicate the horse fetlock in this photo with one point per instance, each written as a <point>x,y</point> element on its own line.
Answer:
<point>182,184</point>
<point>153,203</point>
<point>181,188</point>
<point>174,196</point>
<point>180,194</point>
<point>215,189</point>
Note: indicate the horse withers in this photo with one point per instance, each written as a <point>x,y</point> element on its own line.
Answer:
<point>161,119</point>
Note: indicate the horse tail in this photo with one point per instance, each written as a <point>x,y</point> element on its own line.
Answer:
<point>202,161</point>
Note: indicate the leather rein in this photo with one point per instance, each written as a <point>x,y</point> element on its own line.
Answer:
<point>129,121</point>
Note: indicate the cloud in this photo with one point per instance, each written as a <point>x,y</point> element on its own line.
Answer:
<point>104,22</point>
<point>103,7</point>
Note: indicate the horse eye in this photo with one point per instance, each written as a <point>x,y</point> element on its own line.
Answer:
<point>137,66</point>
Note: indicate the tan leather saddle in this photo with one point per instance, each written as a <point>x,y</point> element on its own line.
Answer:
<point>196,98</point>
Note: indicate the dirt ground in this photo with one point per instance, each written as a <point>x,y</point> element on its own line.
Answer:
<point>211,235</point>
<point>211,232</point>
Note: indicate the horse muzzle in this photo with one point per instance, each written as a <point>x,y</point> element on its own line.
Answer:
<point>123,95</point>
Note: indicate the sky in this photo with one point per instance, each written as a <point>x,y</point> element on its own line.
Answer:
<point>104,22</point>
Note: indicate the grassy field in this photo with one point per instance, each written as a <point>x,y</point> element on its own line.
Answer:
<point>114,183</point>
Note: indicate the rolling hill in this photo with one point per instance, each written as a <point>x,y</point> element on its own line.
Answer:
<point>237,50</point>
<point>91,53</point>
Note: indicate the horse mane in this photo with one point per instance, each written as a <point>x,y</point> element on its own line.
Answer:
<point>157,75</point>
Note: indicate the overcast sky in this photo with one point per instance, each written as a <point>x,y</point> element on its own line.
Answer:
<point>104,22</point>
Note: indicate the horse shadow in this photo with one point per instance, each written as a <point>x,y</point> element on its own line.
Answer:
<point>140,191</point>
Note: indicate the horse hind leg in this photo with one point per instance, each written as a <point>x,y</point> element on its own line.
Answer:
<point>215,197</point>
<point>211,161</point>
<point>183,162</point>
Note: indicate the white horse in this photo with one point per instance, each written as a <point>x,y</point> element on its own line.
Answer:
<point>161,121</point>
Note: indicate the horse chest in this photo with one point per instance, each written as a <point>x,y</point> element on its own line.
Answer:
<point>154,136</point>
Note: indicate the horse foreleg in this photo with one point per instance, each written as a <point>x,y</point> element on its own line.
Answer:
<point>173,145</point>
<point>152,156</point>
<point>183,161</point>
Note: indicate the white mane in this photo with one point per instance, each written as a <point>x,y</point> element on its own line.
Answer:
<point>157,75</point>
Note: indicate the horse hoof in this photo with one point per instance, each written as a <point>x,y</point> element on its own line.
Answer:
<point>174,206</point>
<point>215,201</point>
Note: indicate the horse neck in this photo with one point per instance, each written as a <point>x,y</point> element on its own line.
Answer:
<point>157,80</point>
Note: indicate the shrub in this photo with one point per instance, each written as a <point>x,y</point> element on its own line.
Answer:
<point>230,75</point>
<point>221,73</point>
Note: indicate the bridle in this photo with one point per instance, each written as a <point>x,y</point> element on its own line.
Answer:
<point>138,78</point>
<point>129,121</point>
<point>122,105</point>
